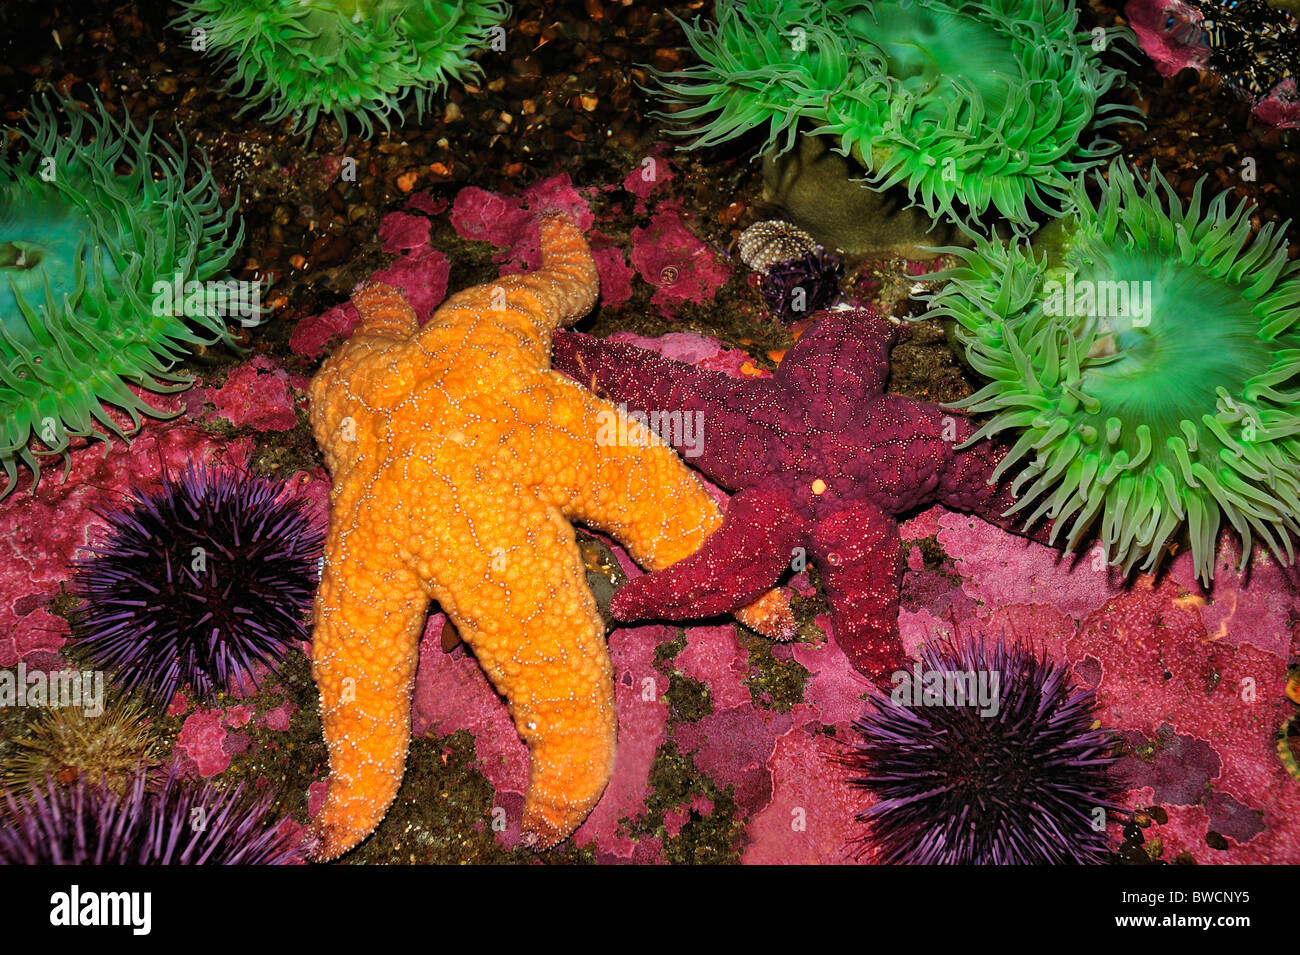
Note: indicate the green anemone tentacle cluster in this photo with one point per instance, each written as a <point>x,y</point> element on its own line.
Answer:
<point>82,248</point>
<point>969,104</point>
<point>1149,361</point>
<point>342,58</point>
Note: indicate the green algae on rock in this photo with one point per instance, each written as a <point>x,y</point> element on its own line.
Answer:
<point>1146,358</point>
<point>348,59</point>
<point>84,251</point>
<point>971,105</point>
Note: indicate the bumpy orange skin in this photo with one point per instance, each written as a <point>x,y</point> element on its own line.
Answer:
<point>459,461</point>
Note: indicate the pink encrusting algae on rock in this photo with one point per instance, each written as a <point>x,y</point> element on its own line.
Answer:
<point>420,271</point>
<point>680,266</point>
<point>256,395</point>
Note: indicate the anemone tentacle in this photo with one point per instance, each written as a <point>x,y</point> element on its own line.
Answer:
<point>81,248</point>
<point>1150,363</point>
<point>971,105</point>
<point>347,59</point>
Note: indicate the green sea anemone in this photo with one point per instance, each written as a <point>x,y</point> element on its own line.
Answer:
<point>1148,359</point>
<point>969,104</point>
<point>341,58</point>
<point>89,234</point>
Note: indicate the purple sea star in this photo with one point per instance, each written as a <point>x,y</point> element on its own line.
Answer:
<point>822,460</point>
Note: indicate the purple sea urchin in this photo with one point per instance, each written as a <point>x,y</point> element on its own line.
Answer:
<point>341,58</point>
<point>984,754</point>
<point>181,823</point>
<point>82,249</point>
<point>196,583</point>
<point>975,104</point>
<point>1148,359</point>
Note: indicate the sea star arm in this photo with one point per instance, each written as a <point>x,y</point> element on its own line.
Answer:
<point>370,610</point>
<point>842,360</point>
<point>744,557</point>
<point>636,490</point>
<point>652,384</point>
<point>857,550</point>
<point>514,316</point>
<point>539,638</point>
<point>964,485</point>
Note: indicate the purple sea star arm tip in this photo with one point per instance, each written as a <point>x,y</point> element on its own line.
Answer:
<point>740,560</point>
<point>858,552</point>
<point>844,355</point>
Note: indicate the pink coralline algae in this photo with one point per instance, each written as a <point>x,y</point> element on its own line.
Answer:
<point>201,745</point>
<point>422,275</point>
<point>399,232</point>
<point>484,216</point>
<point>679,266</point>
<point>712,656</point>
<point>810,818</point>
<point>511,222</point>
<point>615,276</point>
<point>421,272</point>
<point>649,176</point>
<point>314,332</point>
<point>642,715</point>
<point>1281,107</point>
<point>278,718</point>
<point>452,693</point>
<point>429,205</point>
<point>256,395</point>
<point>239,715</point>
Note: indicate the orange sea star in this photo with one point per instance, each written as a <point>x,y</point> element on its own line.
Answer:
<point>459,459</point>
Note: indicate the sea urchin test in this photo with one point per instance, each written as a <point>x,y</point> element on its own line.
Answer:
<point>1146,361</point>
<point>84,251</point>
